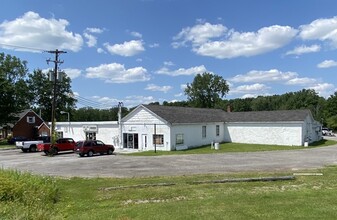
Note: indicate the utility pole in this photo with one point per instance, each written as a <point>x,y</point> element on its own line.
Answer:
<point>54,79</point>
<point>120,105</point>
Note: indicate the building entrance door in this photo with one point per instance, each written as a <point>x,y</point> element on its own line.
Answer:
<point>130,140</point>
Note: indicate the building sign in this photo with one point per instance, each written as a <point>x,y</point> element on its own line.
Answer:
<point>90,128</point>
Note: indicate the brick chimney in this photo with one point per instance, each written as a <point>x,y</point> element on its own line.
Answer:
<point>229,108</point>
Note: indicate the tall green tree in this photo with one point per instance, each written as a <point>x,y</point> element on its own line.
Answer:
<point>13,88</point>
<point>331,112</point>
<point>41,90</point>
<point>206,90</point>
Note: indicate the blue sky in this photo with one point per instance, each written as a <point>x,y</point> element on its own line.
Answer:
<point>141,51</point>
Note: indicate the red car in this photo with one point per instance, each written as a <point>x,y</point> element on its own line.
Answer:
<point>62,144</point>
<point>91,147</point>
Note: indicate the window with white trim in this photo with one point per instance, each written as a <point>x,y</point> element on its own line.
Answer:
<point>158,139</point>
<point>31,119</point>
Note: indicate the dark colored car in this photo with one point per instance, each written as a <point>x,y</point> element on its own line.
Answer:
<point>91,147</point>
<point>15,139</point>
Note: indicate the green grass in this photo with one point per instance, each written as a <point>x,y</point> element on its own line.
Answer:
<point>234,147</point>
<point>5,145</point>
<point>26,196</point>
<point>306,197</point>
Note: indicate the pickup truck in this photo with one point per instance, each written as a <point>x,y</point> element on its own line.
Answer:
<point>62,144</point>
<point>31,146</point>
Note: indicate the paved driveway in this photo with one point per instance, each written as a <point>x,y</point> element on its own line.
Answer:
<point>68,165</point>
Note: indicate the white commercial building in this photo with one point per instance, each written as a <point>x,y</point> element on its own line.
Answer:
<point>167,128</point>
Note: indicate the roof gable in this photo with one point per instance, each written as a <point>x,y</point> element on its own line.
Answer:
<point>24,113</point>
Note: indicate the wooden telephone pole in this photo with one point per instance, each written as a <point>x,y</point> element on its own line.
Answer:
<point>54,79</point>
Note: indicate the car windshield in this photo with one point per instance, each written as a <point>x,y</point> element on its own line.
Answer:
<point>79,144</point>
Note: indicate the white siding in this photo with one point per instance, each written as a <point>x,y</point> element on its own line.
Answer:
<point>106,131</point>
<point>264,133</point>
<point>193,134</point>
<point>143,122</point>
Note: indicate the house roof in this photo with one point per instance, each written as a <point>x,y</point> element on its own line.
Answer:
<point>173,114</point>
<point>267,116</point>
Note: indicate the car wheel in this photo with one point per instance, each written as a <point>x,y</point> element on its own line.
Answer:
<point>81,155</point>
<point>46,152</point>
<point>110,152</point>
<point>90,154</point>
<point>32,148</point>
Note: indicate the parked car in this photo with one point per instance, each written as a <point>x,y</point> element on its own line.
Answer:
<point>31,146</point>
<point>17,138</point>
<point>62,144</point>
<point>327,132</point>
<point>91,147</point>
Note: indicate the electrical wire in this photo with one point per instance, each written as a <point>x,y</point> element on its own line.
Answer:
<point>90,103</point>
<point>22,47</point>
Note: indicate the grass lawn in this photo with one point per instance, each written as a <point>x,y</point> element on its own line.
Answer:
<point>306,197</point>
<point>234,147</point>
<point>5,145</point>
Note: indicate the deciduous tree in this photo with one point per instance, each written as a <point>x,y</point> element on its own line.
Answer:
<point>206,90</point>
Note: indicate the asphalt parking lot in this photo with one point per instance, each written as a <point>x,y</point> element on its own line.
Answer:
<point>121,166</point>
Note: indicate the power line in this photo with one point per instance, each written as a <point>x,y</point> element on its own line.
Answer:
<point>89,103</point>
<point>22,47</point>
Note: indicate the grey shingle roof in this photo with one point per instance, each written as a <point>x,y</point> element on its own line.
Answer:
<point>173,114</point>
<point>267,116</point>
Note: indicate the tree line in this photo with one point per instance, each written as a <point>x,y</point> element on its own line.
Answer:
<point>21,90</point>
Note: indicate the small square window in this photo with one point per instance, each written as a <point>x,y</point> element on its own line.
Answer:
<point>158,139</point>
<point>30,119</point>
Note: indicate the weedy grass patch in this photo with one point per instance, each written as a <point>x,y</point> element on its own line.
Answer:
<point>177,197</point>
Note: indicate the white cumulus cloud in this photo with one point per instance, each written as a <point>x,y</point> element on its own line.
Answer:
<point>117,73</point>
<point>156,88</point>
<point>324,89</point>
<point>33,31</point>
<point>231,43</point>
<point>198,34</point>
<point>304,49</point>
<point>182,71</point>
<point>72,73</point>
<point>126,49</point>
<point>264,76</point>
<point>254,88</point>
<point>248,43</point>
<point>324,29</point>
<point>327,64</point>
<point>91,39</point>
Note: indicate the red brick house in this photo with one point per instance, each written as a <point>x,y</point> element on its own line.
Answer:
<point>43,129</point>
<point>27,125</point>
